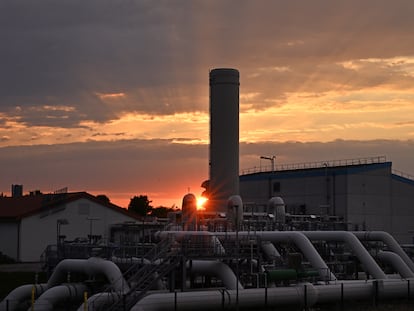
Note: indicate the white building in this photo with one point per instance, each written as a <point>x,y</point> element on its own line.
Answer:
<point>29,223</point>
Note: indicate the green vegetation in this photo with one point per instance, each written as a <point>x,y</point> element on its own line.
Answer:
<point>140,205</point>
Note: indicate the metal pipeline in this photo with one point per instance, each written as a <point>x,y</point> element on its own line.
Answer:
<point>388,240</point>
<point>299,239</point>
<point>100,300</point>
<point>303,295</point>
<point>91,266</point>
<point>204,267</point>
<point>352,241</point>
<point>20,294</point>
<point>179,235</point>
<point>69,293</point>
<point>397,263</point>
<point>217,269</point>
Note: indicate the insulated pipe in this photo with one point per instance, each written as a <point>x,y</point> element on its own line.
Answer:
<point>305,295</point>
<point>300,240</point>
<point>98,301</point>
<point>91,266</point>
<point>257,298</point>
<point>235,211</point>
<point>20,294</point>
<point>397,263</point>
<point>217,269</point>
<point>67,293</point>
<point>366,259</point>
<point>358,290</point>
<point>388,240</point>
<point>179,235</point>
<point>270,250</point>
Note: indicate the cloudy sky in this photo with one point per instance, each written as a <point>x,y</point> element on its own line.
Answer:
<point>111,97</point>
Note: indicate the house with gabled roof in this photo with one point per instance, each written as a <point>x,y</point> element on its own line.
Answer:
<point>29,223</point>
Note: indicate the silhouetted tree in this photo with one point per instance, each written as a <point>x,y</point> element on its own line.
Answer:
<point>103,198</point>
<point>161,211</point>
<point>140,205</point>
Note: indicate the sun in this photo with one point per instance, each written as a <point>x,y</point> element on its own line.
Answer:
<point>200,203</point>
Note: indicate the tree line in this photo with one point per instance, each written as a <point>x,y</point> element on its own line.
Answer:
<point>141,205</point>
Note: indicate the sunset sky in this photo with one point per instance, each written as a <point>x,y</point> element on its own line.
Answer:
<point>111,97</point>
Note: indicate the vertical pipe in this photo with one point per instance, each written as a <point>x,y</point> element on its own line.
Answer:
<point>375,285</point>
<point>33,297</point>
<point>265,276</point>
<point>85,301</point>
<point>305,297</point>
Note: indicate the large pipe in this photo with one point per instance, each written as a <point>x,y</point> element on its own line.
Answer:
<point>227,299</point>
<point>179,235</point>
<point>270,250</point>
<point>397,263</point>
<point>204,267</point>
<point>20,294</point>
<point>298,239</point>
<point>100,301</point>
<point>356,290</point>
<point>217,269</point>
<point>301,241</point>
<point>388,240</point>
<point>91,266</point>
<point>304,295</point>
<point>69,293</point>
<point>350,239</point>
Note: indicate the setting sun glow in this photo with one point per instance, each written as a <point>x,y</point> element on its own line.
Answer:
<point>200,203</point>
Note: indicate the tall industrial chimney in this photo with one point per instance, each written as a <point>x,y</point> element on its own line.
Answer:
<point>224,137</point>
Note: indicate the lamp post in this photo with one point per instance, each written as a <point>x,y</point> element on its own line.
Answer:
<point>59,222</point>
<point>271,159</point>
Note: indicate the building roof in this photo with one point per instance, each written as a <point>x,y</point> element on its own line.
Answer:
<point>15,208</point>
<point>318,171</point>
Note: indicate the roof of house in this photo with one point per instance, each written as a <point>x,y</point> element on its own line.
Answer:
<point>15,208</point>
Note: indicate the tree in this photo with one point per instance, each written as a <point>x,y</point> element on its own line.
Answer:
<point>162,211</point>
<point>140,205</point>
<point>103,198</point>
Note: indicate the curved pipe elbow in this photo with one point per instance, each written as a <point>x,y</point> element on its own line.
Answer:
<point>91,266</point>
<point>20,294</point>
<point>352,241</point>
<point>389,240</point>
<point>217,269</point>
<point>50,298</point>
<point>397,263</point>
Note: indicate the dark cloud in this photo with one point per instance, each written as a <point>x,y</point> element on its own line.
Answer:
<point>133,167</point>
<point>65,53</point>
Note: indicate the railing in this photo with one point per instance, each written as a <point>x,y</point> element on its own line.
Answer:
<point>317,164</point>
<point>402,174</point>
<point>142,276</point>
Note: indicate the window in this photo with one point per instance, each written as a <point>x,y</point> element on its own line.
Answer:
<point>276,186</point>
